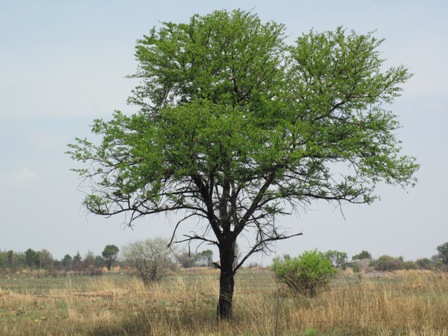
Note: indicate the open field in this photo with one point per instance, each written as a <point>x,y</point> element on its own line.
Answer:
<point>403,303</point>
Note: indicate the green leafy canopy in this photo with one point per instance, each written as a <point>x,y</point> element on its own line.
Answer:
<point>237,127</point>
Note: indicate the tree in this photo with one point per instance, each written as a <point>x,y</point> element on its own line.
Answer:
<point>88,261</point>
<point>443,252</point>
<point>99,262</point>
<point>152,259</point>
<point>67,261</point>
<point>110,255</point>
<point>2,259</point>
<point>32,258</point>
<point>236,128</point>
<point>10,258</point>
<point>338,259</point>
<point>306,274</point>
<point>46,260</point>
<point>205,258</point>
<point>362,255</point>
<point>77,262</point>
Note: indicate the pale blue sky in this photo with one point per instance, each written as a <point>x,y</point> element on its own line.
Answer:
<point>63,63</point>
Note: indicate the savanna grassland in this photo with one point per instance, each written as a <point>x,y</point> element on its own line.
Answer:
<point>401,303</point>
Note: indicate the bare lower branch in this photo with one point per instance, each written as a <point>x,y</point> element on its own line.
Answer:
<point>259,247</point>
<point>196,237</point>
<point>177,225</point>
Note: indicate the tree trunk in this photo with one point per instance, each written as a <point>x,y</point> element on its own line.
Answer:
<point>226,280</point>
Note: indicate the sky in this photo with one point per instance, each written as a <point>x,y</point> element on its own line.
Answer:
<point>64,64</point>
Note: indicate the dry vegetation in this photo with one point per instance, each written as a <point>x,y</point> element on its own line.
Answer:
<point>403,303</point>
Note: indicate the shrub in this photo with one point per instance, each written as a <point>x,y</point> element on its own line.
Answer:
<point>152,259</point>
<point>410,265</point>
<point>425,263</point>
<point>387,263</point>
<point>356,268</point>
<point>306,274</point>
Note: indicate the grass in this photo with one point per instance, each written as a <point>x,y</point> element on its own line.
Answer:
<point>403,303</point>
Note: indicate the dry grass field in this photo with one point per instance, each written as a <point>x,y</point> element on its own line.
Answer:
<point>402,303</point>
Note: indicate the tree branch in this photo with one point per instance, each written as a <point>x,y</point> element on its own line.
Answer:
<point>258,247</point>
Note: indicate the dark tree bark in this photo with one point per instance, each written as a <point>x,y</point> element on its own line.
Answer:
<point>227,278</point>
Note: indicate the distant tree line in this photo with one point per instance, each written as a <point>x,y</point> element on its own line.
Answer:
<point>43,260</point>
<point>387,263</point>
<point>144,256</point>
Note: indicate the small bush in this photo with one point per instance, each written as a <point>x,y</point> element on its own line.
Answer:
<point>306,274</point>
<point>410,265</point>
<point>387,263</point>
<point>425,263</point>
<point>151,259</point>
<point>356,268</point>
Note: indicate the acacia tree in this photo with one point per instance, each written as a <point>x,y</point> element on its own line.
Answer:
<point>110,255</point>
<point>236,127</point>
